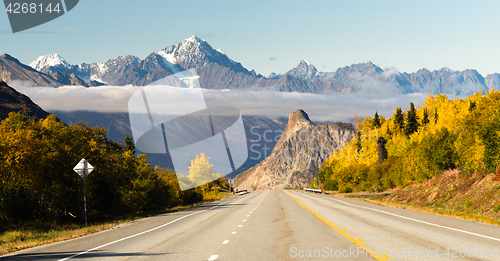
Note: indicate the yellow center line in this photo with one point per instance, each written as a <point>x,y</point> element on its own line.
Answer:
<point>369,251</point>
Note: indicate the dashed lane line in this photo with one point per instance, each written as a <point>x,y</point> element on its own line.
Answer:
<point>144,232</point>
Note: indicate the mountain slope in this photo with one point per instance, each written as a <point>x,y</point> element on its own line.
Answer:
<point>65,78</point>
<point>298,154</point>
<point>54,71</point>
<point>11,69</point>
<point>13,101</point>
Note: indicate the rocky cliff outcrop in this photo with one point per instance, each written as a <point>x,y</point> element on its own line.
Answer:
<point>298,154</point>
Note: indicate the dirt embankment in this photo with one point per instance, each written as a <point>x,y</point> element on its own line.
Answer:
<point>471,196</point>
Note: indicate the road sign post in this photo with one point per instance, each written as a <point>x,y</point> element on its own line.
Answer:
<point>85,201</point>
<point>83,168</point>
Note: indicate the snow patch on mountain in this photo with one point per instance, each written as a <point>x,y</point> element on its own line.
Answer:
<point>168,56</point>
<point>49,60</point>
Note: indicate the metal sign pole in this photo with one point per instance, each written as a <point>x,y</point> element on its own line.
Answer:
<point>83,168</point>
<point>85,201</point>
<point>84,192</point>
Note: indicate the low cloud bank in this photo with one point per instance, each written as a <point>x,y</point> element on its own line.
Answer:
<point>321,108</point>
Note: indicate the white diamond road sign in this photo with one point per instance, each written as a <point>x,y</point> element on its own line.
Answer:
<point>83,168</point>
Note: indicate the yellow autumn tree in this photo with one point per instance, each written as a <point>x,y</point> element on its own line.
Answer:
<point>200,170</point>
<point>459,133</point>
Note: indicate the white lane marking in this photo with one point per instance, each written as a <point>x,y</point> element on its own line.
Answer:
<point>213,257</point>
<point>234,232</point>
<point>244,220</point>
<point>248,215</point>
<point>415,220</point>
<point>144,232</point>
<point>225,242</point>
<point>239,225</point>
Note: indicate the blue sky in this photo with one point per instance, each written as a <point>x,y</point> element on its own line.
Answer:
<point>275,36</point>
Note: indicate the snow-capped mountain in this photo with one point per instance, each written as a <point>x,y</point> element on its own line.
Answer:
<point>196,53</point>
<point>50,63</point>
<point>218,71</point>
<point>12,69</point>
<point>305,71</point>
<point>193,52</point>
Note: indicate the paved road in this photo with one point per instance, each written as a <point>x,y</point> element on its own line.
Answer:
<point>278,225</point>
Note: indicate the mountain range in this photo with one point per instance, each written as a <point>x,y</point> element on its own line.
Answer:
<point>218,71</point>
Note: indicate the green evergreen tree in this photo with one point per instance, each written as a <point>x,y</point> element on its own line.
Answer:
<point>472,105</point>
<point>129,143</point>
<point>411,121</point>
<point>358,141</point>
<point>425,118</point>
<point>399,119</point>
<point>436,116</point>
<point>376,120</point>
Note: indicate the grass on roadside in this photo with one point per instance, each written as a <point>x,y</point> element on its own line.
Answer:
<point>473,197</point>
<point>14,237</point>
<point>471,216</point>
<point>18,237</point>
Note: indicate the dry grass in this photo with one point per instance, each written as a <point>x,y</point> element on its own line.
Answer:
<point>35,234</point>
<point>474,197</point>
<point>14,237</point>
<point>471,216</point>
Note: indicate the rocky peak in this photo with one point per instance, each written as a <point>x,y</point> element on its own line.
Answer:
<point>299,153</point>
<point>273,76</point>
<point>304,71</point>
<point>297,120</point>
<point>195,52</point>
<point>44,63</point>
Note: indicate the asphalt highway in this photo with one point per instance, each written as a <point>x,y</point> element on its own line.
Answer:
<point>282,225</point>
